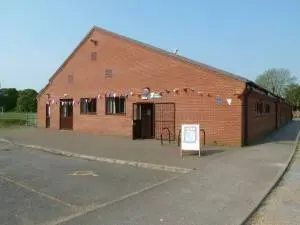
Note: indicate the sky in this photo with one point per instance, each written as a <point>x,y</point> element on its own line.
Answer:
<point>242,37</point>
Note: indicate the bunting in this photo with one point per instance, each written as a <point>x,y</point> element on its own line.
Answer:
<point>189,91</point>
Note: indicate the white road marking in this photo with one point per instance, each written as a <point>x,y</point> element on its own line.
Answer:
<point>165,168</point>
<point>84,173</point>
<point>94,207</point>
<point>37,192</point>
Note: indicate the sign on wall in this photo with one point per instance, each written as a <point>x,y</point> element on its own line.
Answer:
<point>219,100</point>
<point>154,95</point>
<point>145,93</point>
<point>190,137</point>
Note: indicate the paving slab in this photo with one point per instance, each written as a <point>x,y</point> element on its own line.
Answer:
<point>282,206</point>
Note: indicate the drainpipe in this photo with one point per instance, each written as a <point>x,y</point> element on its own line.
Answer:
<point>245,113</point>
<point>276,114</point>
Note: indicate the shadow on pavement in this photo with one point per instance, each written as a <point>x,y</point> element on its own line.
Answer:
<point>286,133</point>
<point>207,152</point>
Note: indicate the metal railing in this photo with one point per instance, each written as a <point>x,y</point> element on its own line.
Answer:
<point>22,119</point>
<point>161,135</point>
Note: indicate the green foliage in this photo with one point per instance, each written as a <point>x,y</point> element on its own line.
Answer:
<point>22,101</point>
<point>276,80</point>
<point>27,101</point>
<point>11,122</point>
<point>8,98</point>
<point>293,95</point>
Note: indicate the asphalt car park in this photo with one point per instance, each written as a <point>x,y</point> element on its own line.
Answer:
<point>39,188</point>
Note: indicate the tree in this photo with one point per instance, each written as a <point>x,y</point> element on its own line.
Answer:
<point>276,80</point>
<point>293,95</point>
<point>27,101</point>
<point>8,98</point>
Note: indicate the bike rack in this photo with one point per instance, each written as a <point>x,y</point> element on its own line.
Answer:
<point>203,131</point>
<point>161,135</point>
<point>179,138</point>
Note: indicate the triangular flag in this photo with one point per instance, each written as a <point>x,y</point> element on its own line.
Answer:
<point>229,101</point>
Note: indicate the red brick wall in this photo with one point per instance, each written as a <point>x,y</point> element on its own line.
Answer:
<point>135,67</point>
<point>259,124</point>
<point>284,113</point>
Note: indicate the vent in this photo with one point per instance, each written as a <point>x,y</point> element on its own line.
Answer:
<point>70,79</point>
<point>108,73</point>
<point>94,56</point>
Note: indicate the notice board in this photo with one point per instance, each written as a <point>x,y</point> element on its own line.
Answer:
<point>190,137</point>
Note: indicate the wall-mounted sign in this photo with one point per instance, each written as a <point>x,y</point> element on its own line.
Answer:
<point>154,95</point>
<point>190,137</point>
<point>145,93</point>
<point>219,100</point>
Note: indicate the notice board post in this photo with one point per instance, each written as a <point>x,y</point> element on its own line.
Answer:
<point>190,138</point>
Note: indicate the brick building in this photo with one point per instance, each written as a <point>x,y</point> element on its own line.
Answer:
<point>114,85</point>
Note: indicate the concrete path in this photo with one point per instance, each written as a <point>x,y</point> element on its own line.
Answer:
<point>283,204</point>
<point>225,188</point>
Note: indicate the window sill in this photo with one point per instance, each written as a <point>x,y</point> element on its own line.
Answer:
<point>88,114</point>
<point>115,114</point>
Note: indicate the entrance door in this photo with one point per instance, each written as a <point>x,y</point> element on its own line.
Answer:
<point>66,114</point>
<point>147,121</point>
<point>143,121</point>
<point>136,121</point>
<point>47,115</point>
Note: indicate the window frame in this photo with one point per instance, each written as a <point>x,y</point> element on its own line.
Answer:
<point>267,108</point>
<point>70,78</point>
<point>94,56</point>
<point>108,109</point>
<point>87,110</point>
<point>108,73</point>
<point>65,109</point>
<point>259,108</point>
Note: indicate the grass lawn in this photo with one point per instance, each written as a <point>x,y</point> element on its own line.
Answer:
<point>16,115</point>
<point>9,119</point>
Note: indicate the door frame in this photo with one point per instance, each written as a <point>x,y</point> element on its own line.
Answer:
<point>71,118</point>
<point>137,120</point>
<point>48,115</point>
